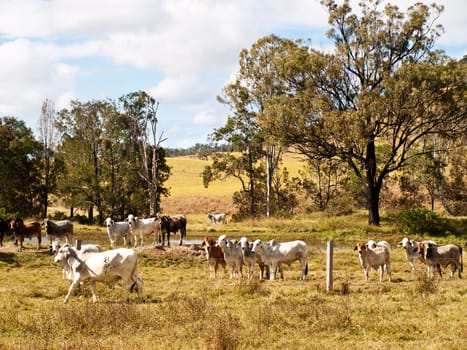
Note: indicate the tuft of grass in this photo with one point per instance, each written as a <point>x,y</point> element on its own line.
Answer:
<point>424,284</point>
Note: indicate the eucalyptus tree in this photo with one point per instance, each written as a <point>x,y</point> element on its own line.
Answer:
<point>375,97</point>
<point>258,80</point>
<point>81,152</point>
<point>141,109</point>
<point>20,175</point>
<point>48,137</point>
<point>247,143</point>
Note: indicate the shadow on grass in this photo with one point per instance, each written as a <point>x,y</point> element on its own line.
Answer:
<point>8,258</point>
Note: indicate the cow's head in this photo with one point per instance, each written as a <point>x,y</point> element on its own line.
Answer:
<point>222,241</point>
<point>54,247</point>
<point>16,223</point>
<point>131,219</point>
<point>421,251</point>
<point>257,245</point>
<point>244,243</point>
<point>63,253</point>
<point>404,243</point>
<point>108,222</point>
<point>360,247</point>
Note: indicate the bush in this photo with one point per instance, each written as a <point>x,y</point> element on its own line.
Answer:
<point>420,221</point>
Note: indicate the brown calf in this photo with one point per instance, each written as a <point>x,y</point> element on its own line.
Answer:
<point>214,255</point>
<point>29,230</point>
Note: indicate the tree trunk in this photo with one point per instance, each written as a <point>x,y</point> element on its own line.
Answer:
<point>373,205</point>
<point>252,186</point>
<point>91,214</point>
<point>374,186</point>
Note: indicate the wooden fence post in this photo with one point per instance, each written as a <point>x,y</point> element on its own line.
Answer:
<point>329,254</point>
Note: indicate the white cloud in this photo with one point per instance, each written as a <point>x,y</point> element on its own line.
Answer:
<point>181,89</point>
<point>62,49</point>
<point>30,73</point>
<point>204,118</point>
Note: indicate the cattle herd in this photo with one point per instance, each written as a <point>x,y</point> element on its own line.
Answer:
<point>89,263</point>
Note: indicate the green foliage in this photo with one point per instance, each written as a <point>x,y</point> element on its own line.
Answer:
<point>20,177</point>
<point>418,221</point>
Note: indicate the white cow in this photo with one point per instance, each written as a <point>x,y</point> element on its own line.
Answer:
<point>107,267</point>
<point>411,250</point>
<point>217,218</point>
<point>232,255</point>
<point>117,229</point>
<point>274,254</point>
<point>143,227</point>
<point>378,258</point>
<point>373,244</point>
<point>251,258</point>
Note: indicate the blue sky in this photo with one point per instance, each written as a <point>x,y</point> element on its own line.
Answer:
<point>182,52</point>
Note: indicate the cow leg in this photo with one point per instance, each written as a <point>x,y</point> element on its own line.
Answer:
<point>168,238</point>
<point>93,291</point>
<point>213,269</point>
<point>304,270</point>
<point>365,271</point>
<point>438,267</point>
<point>39,243</point>
<point>272,271</point>
<point>139,287</point>
<point>251,267</point>
<point>281,271</point>
<point>182,234</point>
<point>71,287</point>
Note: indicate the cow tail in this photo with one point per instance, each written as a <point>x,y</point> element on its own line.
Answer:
<point>462,265</point>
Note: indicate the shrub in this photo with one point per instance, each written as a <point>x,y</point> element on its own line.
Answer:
<point>419,221</point>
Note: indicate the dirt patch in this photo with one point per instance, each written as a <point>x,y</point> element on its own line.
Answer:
<point>193,250</point>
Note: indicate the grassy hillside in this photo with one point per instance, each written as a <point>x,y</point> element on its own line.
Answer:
<point>189,196</point>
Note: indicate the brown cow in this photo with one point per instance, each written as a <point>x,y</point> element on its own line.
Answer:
<point>29,230</point>
<point>436,256</point>
<point>214,255</point>
<point>377,259</point>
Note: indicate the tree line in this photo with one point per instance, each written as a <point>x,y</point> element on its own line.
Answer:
<point>97,155</point>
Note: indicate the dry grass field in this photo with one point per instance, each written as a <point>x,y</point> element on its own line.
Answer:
<point>189,196</point>
<point>186,309</point>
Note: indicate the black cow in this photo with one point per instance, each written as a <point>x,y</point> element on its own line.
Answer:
<point>173,224</point>
<point>4,230</point>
